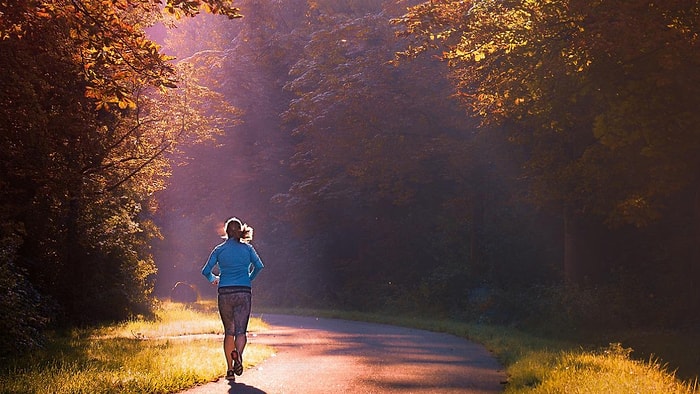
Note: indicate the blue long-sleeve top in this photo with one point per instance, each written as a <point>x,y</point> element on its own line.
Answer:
<point>238,262</point>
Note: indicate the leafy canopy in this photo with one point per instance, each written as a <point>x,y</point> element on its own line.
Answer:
<point>108,39</point>
<point>601,92</point>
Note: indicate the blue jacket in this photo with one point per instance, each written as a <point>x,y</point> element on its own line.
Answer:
<point>238,263</point>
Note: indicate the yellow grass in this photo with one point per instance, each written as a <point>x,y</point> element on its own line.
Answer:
<point>611,371</point>
<point>175,319</point>
<point>165,355</point>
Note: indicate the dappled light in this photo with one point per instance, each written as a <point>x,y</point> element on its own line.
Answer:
<point>529,164</point>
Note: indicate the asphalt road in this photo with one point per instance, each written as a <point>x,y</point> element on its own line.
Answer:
<point>315,355</point>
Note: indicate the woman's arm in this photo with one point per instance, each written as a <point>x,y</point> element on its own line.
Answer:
<point>209,266</point>
<point>256,265</point>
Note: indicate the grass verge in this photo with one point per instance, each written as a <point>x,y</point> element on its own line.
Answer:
<point>538,365</point>
<point>178,350</point>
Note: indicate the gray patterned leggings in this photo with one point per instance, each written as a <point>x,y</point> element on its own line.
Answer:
<point>234,308</point>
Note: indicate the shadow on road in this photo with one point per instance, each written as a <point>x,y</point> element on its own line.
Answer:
<point>240,388</point>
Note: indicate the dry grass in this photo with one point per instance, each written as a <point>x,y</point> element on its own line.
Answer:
<point>165,355</point>
<point>591,372</point>
<point>173,320</point>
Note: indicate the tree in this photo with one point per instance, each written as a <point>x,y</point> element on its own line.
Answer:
<point>601,94</point>
<point>247,68</point>
<point>108,39</point>
<point>374,190</point>
<point>92,118</point>
<point>385,166</point>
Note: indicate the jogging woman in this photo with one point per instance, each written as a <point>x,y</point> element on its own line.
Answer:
<point>238,265</point>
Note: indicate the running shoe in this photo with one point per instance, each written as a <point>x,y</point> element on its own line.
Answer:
<point>237,363</point>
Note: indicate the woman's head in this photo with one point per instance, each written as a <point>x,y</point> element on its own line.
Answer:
<point>235,229</point>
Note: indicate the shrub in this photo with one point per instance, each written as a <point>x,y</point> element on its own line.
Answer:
<point>24,311</point>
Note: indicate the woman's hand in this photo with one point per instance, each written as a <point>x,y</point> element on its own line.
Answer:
<point>215,282</point>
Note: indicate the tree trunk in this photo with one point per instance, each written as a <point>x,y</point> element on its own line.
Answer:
<point>694,261</point>
<point>478,206</point>
<point>570,254</point>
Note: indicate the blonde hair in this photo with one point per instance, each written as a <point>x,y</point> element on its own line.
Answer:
<point>238,230</point>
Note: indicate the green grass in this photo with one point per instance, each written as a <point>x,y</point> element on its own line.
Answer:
<point>160,356</point>
<point>537,365</point>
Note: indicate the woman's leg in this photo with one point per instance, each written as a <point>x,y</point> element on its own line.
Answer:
<point>241,315</point>
<point>229,346</point>
<point>226,307</point>
<point>240,342</point>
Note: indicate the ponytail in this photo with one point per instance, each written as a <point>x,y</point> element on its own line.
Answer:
<point>235,229</point>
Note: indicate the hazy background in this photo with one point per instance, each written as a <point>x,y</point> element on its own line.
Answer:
<point>369,186</point>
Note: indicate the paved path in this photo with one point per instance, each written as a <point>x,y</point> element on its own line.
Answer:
<point>316,355</point>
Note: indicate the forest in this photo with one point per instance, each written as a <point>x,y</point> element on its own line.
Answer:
<point>519,162</point>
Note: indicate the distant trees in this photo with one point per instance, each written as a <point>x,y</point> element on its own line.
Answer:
<point>367,183</point>
<point>397,197</point>
<point>369,157</point>
<point>90,111</point>
<point>374,190</point>
<point>241,170</point>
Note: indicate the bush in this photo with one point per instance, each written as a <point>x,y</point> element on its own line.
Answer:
<point>24,311</point>
<point>566,308</point>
